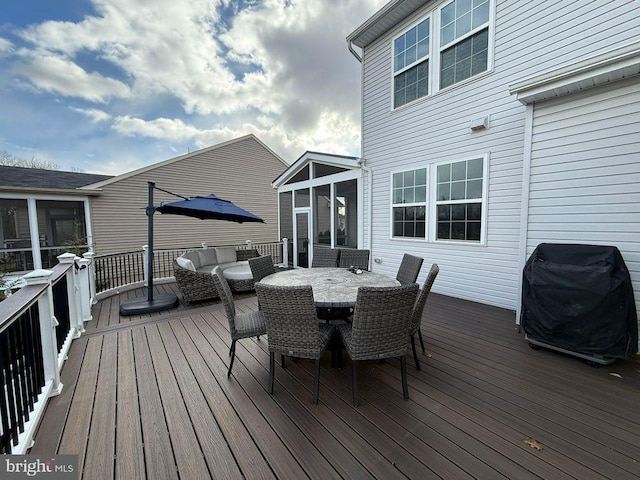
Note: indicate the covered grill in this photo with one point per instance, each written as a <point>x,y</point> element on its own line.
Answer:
<point>579,299</point>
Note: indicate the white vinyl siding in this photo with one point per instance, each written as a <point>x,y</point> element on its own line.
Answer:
<point>530,38</point>
<point>585,173</point>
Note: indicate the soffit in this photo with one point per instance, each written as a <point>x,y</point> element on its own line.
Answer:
<point>384,20</point>
<point>602,69</point>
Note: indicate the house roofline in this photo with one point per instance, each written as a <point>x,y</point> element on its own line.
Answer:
<point>79,192</point>
<point>181,157</point>
<point>345,161</point>
<point>383,20</point>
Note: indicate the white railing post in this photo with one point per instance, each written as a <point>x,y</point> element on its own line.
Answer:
<point>48,324</point>
<point>85,294</point>
<point>285,252</point>
<point>92,276</point>
<point>73,294</point>
<point>145,257</point>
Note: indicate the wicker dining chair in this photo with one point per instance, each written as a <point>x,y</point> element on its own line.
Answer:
<point>325,257</point>
<point>293,328</point>
<point>353,257</point>
<point>409,269</point>
<point>418,308</point>
<point>241,325</point>
<point>261,267</point>
<point>379,328</point>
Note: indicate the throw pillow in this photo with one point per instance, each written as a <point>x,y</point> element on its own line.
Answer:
<point>185,263</point>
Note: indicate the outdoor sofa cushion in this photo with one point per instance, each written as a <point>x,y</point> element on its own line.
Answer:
<point>226,254</point>
<point>207,256</point>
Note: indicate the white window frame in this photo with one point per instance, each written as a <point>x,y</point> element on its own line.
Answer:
<point>427,58</point>
<point>435,49</point>
<point>434,202</point>
<point>424,204</point>
<point>431,204</point>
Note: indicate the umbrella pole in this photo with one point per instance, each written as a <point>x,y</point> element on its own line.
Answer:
<point>162,302</point>
<point>150,212</point>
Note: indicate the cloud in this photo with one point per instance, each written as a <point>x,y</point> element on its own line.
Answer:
<point>5,46</point>
<point>277,68</point>
<point>61,76</point>
<point>94,114</point>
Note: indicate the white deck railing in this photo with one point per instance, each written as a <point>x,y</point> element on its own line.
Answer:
<point>37,326</point>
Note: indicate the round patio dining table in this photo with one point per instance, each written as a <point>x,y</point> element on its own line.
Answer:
<point>332,287</point>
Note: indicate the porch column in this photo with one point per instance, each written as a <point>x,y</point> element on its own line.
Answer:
<point>34,233</point>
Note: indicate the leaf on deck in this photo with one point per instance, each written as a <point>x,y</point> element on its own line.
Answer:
<point>533,443</point>
<point>615,375</point>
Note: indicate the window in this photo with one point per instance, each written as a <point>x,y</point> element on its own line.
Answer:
<point>464,40</point>
<point>457,49</point>
<point>411,64</point>
<point>459,200</point>
<point>409,203</point>
<point>454,195</point>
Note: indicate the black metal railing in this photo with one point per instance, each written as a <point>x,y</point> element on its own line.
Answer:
<point>21,260</point>
<point>21,374</point>
<point>61,311</point>
<point>118,269</point>
<point>16,260</point>
<point>113,271</point>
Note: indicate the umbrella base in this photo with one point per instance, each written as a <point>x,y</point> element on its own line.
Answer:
<point>139,306</point>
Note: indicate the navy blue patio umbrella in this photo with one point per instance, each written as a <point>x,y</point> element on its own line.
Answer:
<point>209,207</point>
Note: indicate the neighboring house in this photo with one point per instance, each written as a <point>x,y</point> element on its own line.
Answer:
<point>42,214</point>
<point>491,126</point>
<point>237,170</point>
<point>59,209</point>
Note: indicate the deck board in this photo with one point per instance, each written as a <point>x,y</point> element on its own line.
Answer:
<point>101,440</point>
<point>129,457</point>
<point>158,452</point>
<point>148,397</point>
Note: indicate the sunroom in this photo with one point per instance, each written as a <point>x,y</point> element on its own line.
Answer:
<point>319,204</point>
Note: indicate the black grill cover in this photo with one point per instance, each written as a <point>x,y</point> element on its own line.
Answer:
<point>580,298</point>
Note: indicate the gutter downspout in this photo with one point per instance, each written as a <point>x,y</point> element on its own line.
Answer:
<point>353,52</point>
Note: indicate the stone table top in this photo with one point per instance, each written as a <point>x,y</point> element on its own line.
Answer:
<point>332,287</point>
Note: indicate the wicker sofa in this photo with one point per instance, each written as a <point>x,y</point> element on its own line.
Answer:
<point>193,271</point>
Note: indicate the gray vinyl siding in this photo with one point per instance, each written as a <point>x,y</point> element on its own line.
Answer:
<point>585,172</point>
<point>240,171</point>
<point>530,38</point>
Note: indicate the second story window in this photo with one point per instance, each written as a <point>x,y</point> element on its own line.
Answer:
<point>451,44</point>
<point>411,64</point>
<point>464,40</point>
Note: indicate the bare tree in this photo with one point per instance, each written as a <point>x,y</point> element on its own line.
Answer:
<point>9,160</point>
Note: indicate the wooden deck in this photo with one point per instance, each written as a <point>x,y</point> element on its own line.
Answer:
<point>148,397</point>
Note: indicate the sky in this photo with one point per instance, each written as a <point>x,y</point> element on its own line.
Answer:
<point>108,86</point>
